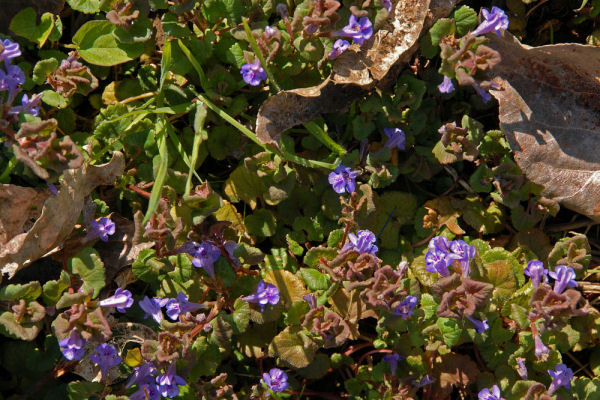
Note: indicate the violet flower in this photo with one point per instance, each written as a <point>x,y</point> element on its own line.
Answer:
<point>439,242</point>
<point>362,242</point>
<point>438,261</point>
<point>311,299</point>
<point>521,368</point>
<point>253,73</point>
<point>342,179</point>
<point>106,357</point>
<point>480,326</point>
<point>282,10</point>
<point>168,383</point>
<point>153,307</point>
<point>406,307</point>
<point>387,4</point>
<point>562,376</point>
<point>72,346</point>
<point>120,300</point>
<point>485,394</point>
<point>230,247</point>
<point>204,255</point>
<point>9,50</point>
<point>496,21</point>
<point>276,380</point>
<point>540,349</point>
<point>265,294</point>
<point>180,305</point>
<point>359,30</point>
<point>396,138</point>
<point>426,380</point>
<point>563,276</point>
<point>463,253</point>
<point>142,374</point>
<point>338,48</point>
<point>485,96</point>
<point>393,360</point>
<point>270,31</point>
<point>147,391</point>
<point>10,80</point>
<point>28,106</point>
<point>536,271</point>
<point>446,86</point>
<point>102,229</point>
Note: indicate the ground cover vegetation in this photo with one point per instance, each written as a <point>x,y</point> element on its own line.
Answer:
<point>246,199</point>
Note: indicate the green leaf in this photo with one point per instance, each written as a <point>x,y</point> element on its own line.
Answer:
<point>214,10</point>
<point>68,299</point>
<point>261,223</point>
<point>429,305</point>
<point>466,20</point>
<point>314,279</point>
<point>88,265</point>
<point>296,312</point>
<point>312,256</point>
<point>500,274</point>
<point>243,185</point>
<point>240,316</point>
<point>53,290</point>
<point>85,6</point>
<point>291,288</point>
<point>430,41</point>
<point>24,24</point>
<point>43,68</point>
<point>146,267</point>
<point>28,292</point>
<point>450,329</point>
<point>162,130</point>
<point>26,329</point>
<point>54,99</point>
<point>96,43</point>
<point>294,347</point>
<point>317,369</point>
<point>81,390</point>
<point>207,356</point>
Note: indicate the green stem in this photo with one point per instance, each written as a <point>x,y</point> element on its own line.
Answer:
<point>330,292</point>
<point>324,138</point>
<point>260,56</point>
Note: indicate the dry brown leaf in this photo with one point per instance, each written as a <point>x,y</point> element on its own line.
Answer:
<point>355,72</point>
<point>20,205</point>
<point>452,370</point>
<point>550,114</point>
<point>59,214</point>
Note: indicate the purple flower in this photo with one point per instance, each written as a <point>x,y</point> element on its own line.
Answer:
<point>362,242</point>
<point>406,308</point>
<point>72,346</point>
<point>480,326</point>
<point>153,307</point>
<point>27,106</point>
<point>9,50</point>
<point>393,359</point>
<point>446,86</point>
<point>387,4</point>
<point>10,80</point>
<point>441,243</point>
<point>101,229</point>
<point>270,31</point>
<point>563,276</point>
<point>463,253</point>
<point>265,294</point>
<point>536,271</point>
<point>311,299</point>
<point>167,383</point>
<point>343,179</point>
<point>230,246</point>
<point>396,138</point>
<point>562,376</point>
<point>359,31</point>
<point>485,96</point>
<point>121,300</point>
<point>496,21</point>
<point>52,188</point>
<point>282,10</point>
<point>338,48</point>
<point>147,391</point>
<point>142,374</point>
<point>276,380</point>
<point>180,305</point>
<point>253,73</point>
<point>438,261</point>
<point>521,368</point>
<point>106,357</point>
<point>204,255</point>
<point>485,394</point>
<point>540,349</point>
<point>426,380</point>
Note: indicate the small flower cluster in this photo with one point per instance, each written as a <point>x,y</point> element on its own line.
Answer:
<point>102,229</point>
<point>442,253</point>
<point>265,294</point>
<point>151,387</point>
<point>362,242</point>
<point>174,307</point>
<point>11,78</point>
<point>205,254</point>
<point>563,276</point>
<point>275,380</point>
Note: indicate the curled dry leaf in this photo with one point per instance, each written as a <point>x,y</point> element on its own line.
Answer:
<point>550,114</point>
<point>20,206</point>
<point>355,72</point>
<point>59,215</point>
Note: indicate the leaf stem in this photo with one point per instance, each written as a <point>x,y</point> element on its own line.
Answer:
<point>260,56</point>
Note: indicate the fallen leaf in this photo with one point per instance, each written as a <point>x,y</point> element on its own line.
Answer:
<point>550,114</point>
<point>59,215</point>
<point>452,370</point>
<point>20,205</point>
<point>355,72</point>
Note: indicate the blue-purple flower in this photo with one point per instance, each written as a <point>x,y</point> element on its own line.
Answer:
<point>563,276</point>
<point>153,307</point>
<point>439,242</point>
<point>11,79</point>
<point>204,255</point>
<point>168,383</point>
<point>270,31</point>
<point>562,376</point>
<point>28,106</point>
<point>446,86</point>
<point>442,253</point>
<point>102,229</point>
<point>342,179</point>
<point>147,391</point>
<point>396,138</point>
<point>486,394</point>
<point>496,21</point>
<point>265,294</point>
<point>121,300</point>
<point>393,360</point>
<point>485,96</point>
<point>480,326</point>
<point>521,368</point>
<point>72,346</point>
<point>106,357</point>
<point>362,242</point>
<point>180,305</point>
<point>9,50</point>
<point>438,261</point>
<point>311,299</point>
<point>253,73</point>
<point>359,30</point>
<point>387,4</point>
<point>426,380</point>
<point>338,48</point>
<point>536,271</point>
<point>142,374</point>
<point>463,253</point>
<point>541,351</point>
<point>406,307</point>
<point>276,380</point>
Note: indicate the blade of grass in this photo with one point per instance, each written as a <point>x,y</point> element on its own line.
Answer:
<point>272,82</point>
<point>198,127</point>
<point>161,174</point>
<point>324,138</point>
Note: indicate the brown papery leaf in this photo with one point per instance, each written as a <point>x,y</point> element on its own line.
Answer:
<point>20,205</point>
<point>550,114</point>
<point>452,370</point>
<point>59,214</point>
<point>355,72</point>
